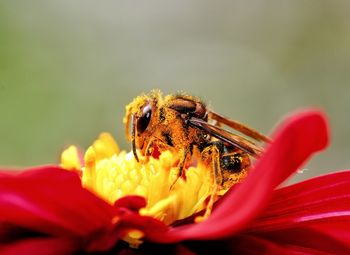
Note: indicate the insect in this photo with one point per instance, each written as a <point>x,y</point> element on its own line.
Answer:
<point>183,124</point>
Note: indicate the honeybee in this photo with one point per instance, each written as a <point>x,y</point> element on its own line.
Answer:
<point>183,124</point>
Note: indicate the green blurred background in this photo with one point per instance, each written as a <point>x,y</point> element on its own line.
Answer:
<point>68,68</point>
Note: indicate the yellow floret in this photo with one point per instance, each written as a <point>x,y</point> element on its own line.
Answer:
<point>112,174</point>
<point>70,158</point>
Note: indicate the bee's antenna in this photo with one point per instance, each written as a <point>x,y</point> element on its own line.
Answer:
<point>133,144</point>
<point>126,121</point>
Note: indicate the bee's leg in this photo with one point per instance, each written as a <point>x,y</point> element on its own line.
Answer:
<point>214,157</point>
<point>216,165</point>
<point>149,148</point>
<point>213,153</point>
<point>181,166</point>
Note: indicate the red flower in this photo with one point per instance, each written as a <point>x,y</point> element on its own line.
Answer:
<point>46,211</point>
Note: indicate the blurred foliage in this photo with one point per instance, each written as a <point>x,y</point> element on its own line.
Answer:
<point>68,68</point>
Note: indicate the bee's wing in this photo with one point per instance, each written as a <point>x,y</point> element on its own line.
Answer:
<point>226,136</point>
<point>238,126</point>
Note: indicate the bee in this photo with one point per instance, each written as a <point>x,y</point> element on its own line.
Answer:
<point>183,124</point>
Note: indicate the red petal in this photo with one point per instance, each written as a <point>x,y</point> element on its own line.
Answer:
<point>251,245</point>
<point>51,201</point>
<point>306,239</point>
<point>242,245</point>
<point>148,225</point>
<point>297,138</point>
<point>321,199</point>
<point>39,246</point>
<point>133,203</point>
<point>248,244</point>
<point>320,205</point>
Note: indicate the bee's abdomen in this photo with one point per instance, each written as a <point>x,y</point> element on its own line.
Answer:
<point>234,162</point>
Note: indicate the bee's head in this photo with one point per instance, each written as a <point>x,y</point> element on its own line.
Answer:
<point>138,118</point>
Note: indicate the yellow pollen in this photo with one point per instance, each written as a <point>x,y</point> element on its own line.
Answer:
<point>134,238</point>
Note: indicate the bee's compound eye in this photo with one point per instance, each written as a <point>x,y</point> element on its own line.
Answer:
<point>143,121</point>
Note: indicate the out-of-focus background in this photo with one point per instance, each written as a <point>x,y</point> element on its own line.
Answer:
<point>68,68</point>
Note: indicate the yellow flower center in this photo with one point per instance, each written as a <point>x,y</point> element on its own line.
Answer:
<point>112,174</point>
